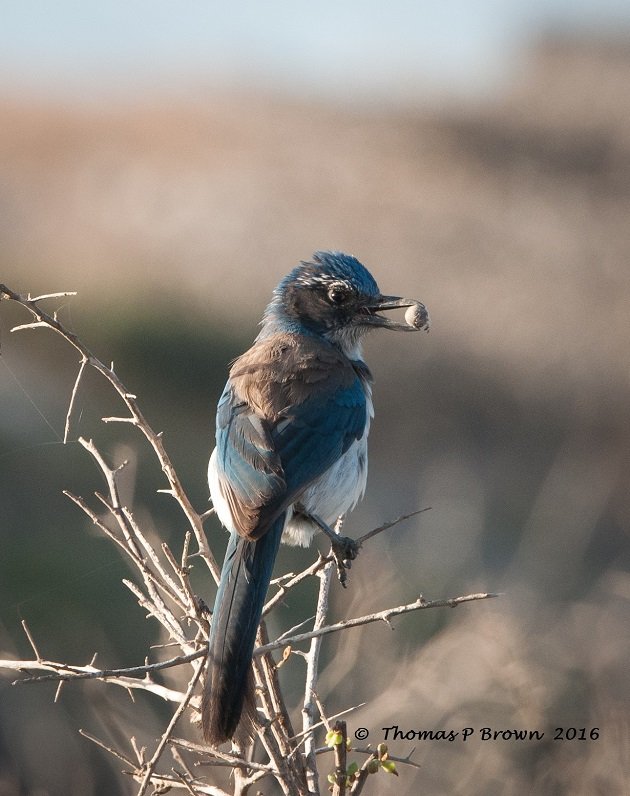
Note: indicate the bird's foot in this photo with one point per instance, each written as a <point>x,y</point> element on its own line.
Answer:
<point>344,551</point>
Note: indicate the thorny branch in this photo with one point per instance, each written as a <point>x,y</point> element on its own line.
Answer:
<point>124,676</point>
<point>166,594</point>
<point>150,767</point>
<point>309,709</point>
<point>379,616</point>
<point>136,418</point>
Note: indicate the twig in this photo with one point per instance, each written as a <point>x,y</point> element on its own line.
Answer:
<point>31,640</point>
<point>44,320</point>
<point>185,782</point>
<point>286,583</point>
<point>341,759</point>
<point>406,760</point>
<point>291,630</point>
<point>73,396</point>
<point>130,549</point>
<point>181,571</point>
<point>362,775</point>
<point>325,721</point>
<point>123,677</point>
<point>274,733</point>
<point>222,757</point>
<point>63,294</point>
<point>283,588</point>
<point>312,671</point>
<point>178,757</point>
<point>167,732</point>
<point>133,537</point>
<point>292,772</point>
<point>107,748</point>
<point>380,616</point>
<point>164,782</point>
<point>387,525</point>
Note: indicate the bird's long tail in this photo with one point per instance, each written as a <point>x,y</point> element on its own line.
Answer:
<point>228,690</point>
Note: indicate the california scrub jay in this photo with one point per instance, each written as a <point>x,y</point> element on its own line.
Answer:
<point>291,451</point>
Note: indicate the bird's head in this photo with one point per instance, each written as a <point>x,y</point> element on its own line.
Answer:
<point>334,296</point>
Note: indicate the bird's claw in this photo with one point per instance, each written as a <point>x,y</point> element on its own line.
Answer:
<point>344,550</point>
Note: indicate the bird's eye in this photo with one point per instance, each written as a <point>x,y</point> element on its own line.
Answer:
<point>338,295</point>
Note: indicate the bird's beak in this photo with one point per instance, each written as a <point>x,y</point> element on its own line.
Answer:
<point>416,317</point>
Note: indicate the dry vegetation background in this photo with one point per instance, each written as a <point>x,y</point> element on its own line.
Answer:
<point>510,219</point>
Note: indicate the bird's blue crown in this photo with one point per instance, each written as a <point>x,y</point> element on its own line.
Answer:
<point>326,267</point>
<point>320,295</point>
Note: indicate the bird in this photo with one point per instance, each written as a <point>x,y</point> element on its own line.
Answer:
<point>291,454</point>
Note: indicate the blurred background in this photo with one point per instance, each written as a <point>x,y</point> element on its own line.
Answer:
<point>171,163</point>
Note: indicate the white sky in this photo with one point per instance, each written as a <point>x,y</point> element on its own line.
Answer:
<point>329,47</point>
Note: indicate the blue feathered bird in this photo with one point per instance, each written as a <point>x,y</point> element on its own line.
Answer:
<point>291,452</point>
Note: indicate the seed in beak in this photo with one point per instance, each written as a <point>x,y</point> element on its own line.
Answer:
<point>417,316</point>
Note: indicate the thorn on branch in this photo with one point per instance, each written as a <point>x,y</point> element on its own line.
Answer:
<point>31,641</point>
<point>73,396</point>
<point>107,748</point>
<point>387,525</point>
<point>60,685</point>
<point>417,605</point>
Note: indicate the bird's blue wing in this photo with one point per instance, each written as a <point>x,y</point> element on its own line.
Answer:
<point>314,434</point>
<point>249,469</point>
<point>264,466</point>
